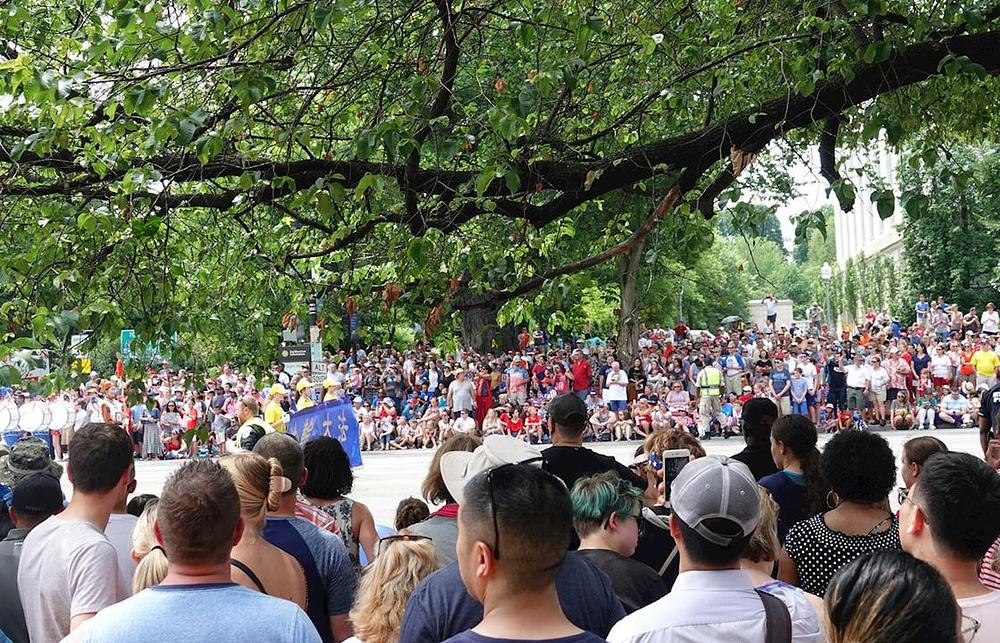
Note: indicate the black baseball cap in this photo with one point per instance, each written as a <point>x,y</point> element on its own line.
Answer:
<point>38,494</point>
<point>568,410</point>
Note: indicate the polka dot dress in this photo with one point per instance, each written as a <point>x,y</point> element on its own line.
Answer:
<point>819,551</point>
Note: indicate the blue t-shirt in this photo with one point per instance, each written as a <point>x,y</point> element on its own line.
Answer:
<point>779,379</point>
<point>201,614</point>
<point>472,637</point>
<point>330,576</point>
<point>441,607</point>
<point>800,387</point>
<point>788,490</point>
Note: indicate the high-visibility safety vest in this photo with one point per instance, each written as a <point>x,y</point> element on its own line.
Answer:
<point>710,381</point>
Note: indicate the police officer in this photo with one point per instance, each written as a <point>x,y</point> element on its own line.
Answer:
<point>710,405</point>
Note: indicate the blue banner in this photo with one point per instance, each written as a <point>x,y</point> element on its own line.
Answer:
<point>334,419</point>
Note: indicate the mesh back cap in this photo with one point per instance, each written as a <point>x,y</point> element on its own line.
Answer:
<point>716,487</point>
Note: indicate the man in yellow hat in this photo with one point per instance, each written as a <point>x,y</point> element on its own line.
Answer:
<point>274,414</point>
<point>304,388</point>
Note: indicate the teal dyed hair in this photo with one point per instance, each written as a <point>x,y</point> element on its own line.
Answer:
<point>594,498</point>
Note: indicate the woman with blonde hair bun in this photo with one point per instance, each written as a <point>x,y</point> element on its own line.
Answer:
<point>257,564</point>
<point>401,562</point>
<point>151,562</point>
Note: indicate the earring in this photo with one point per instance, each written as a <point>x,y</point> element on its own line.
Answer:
<point>832,500</point>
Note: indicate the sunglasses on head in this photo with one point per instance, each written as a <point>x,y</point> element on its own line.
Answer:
<point>382,543</point>
<point>490,476</point>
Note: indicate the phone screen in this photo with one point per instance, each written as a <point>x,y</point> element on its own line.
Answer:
<point>673,461</point>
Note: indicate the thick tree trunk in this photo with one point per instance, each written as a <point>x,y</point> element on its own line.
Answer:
<point>628,311</point>
<point>480,330</point>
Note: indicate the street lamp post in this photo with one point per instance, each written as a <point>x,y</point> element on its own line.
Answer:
<point>826,273</point>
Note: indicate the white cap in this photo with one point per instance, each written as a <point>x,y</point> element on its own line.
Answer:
<point>458,467</point>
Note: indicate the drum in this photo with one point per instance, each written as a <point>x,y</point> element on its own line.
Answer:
<point>34,416</point>
<point>63,415</point>
<point>8,417</point>
<point>8,423</point>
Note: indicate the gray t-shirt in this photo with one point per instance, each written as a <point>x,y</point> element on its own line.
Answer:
<point>119,532</point>
<point>200,614</point>
<point>461,395</point>
<point>444,533</point>
<point>67,568</point>
<point>11,614</point>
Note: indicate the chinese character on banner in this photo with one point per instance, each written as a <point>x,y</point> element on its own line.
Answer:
<point>333,419</point>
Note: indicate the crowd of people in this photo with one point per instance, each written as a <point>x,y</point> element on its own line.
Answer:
<point>527,542</point>
<point>523,532</point>
<point>928,375</point>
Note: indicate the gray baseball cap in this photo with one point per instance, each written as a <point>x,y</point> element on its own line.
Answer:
<point>716,487</point>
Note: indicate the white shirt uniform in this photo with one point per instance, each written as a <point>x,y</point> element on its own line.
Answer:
<point>711,606</point>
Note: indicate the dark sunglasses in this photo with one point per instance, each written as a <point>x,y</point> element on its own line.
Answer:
<point>388,540</point>
<point>491,474</point>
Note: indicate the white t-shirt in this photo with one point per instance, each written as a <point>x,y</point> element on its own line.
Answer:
<point>464,425</point>
<point>878,378</point>
<point>986,610</point>
<point>617,385</point>
<point>857,375</point>
<point>119,532</point>
<point>67,568</point>
<point>941,366</point>
<point>990,321</point>
<point>809,372</point>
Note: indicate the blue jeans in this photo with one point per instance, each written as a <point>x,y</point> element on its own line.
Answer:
<point>800,408</point>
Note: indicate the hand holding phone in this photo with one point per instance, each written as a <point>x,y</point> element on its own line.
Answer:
<point>673,461</point>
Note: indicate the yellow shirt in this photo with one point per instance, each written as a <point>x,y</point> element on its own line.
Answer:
<point>272,415</point>
<point>304,403</point>
<point>986,362</point>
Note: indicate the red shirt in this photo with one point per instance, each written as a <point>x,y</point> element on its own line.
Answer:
<point>581,374</point>
<point>523,340</point>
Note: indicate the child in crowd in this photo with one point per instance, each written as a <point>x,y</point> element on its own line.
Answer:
<point>799,390</point>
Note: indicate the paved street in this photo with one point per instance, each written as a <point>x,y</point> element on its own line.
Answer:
<point>386,478</point>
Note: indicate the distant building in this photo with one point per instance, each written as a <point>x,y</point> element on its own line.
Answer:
<point>861,232</point>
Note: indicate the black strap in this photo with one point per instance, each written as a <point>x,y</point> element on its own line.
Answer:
<point>779,621</point>
<point>249,572</point>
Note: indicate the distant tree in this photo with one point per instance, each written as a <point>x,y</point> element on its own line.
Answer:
<point>751,220</point>
<point>949,235</point>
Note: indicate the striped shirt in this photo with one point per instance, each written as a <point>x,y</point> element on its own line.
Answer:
<point>987,575</point>
<point>313,514</point>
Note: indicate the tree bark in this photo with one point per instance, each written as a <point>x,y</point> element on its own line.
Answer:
<point>480,330</point>
<point>628,311</point>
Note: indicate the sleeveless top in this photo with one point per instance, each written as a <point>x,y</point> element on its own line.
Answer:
<point>343,514</point>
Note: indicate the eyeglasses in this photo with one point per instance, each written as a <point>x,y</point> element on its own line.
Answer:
<point>904,496</point>
<point>388,540</point>
<point>490,475</point>
<point>970,627</point>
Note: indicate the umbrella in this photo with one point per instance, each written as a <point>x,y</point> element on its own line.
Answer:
<point>732,319</point>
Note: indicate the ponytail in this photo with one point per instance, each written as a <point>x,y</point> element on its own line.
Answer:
<point>798,434</point>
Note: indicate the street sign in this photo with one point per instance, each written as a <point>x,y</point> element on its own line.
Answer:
<point>295,357</point>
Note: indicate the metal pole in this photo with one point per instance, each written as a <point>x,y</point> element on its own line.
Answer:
<point>829,314</point>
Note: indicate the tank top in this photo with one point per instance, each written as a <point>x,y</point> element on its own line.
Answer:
<point>343,514</point>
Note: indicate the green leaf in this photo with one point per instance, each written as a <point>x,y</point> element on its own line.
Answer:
<point>513,180</point>
<point>483,181</point>
<point>844,191</point>
<point>885,203</point>
<point>893,132</point>
<point>416,251</point>
<point>916,204</point>
<point>24,343</point>
<point>324,204</point>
